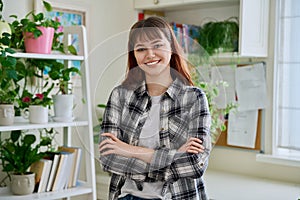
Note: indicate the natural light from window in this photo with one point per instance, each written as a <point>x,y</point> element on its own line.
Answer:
<point>287,79</point>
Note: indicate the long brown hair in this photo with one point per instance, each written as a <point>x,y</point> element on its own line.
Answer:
<point>152,28</point>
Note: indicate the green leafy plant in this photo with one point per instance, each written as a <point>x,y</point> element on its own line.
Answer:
<point>31,22</point>
<point>8,73</point>
<point>41,99</point>
<point>20,151</point>
<point>1,8</point>
<point>97,128</point>
<point>58,72</point>
<point>220,36</point>
<point>218,116</point>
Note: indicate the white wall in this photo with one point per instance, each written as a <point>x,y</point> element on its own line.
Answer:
<point>244,162</point>
<point>19,8</point>
<point>237,160</point>
<point>109,21</point>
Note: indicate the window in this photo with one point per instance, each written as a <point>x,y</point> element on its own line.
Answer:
<point>287,79</point>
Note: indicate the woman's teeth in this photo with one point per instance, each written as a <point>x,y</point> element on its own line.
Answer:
<point>152,63</point>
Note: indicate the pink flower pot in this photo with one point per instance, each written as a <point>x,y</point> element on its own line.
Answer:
<point>42,44</point>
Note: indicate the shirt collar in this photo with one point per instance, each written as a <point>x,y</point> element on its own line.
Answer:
<point>173,91</point>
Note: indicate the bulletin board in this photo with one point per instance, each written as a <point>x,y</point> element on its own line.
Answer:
<point>258,142</point>
<point>222,141</point>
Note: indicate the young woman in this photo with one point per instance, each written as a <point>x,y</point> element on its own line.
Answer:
<point>155,138</point>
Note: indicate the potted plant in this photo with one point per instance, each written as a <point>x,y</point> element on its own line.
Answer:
<point>8,75</point>
<point>63,100</point>
<point>220,36</point>
<point>17,154</point>
<point>35,32</point>
<point>36,105</point>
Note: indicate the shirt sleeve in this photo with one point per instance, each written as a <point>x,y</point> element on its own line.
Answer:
<point>129,167</point>
<point>176,165</point>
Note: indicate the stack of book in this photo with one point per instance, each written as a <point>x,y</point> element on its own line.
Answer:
<point>187,36</point>
<point>58,170</point>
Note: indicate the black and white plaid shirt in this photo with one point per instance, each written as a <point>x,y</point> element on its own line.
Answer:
<point>184,113</point>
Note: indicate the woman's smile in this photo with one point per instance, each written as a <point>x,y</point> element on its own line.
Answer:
<point>152,62</point>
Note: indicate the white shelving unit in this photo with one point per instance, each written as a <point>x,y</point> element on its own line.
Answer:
<point>253,19</point>
<point>82,125</point>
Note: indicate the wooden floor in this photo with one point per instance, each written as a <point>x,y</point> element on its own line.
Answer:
<point>227,186</point>
<point>103,180</point>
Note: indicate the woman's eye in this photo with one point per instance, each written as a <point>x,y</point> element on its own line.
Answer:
<point>141,49</point>
<point>158,46</point>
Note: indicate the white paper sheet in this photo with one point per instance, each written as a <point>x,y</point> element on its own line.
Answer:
<point>242,128</point>
<point>251,87</point>
<point>226,94</point>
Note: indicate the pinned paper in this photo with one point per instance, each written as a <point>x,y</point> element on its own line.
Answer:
<point>251,87</point>
<point>242,128</point>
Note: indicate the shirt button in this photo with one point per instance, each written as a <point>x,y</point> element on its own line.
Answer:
<point>201,164</point>
<point>162,129</point>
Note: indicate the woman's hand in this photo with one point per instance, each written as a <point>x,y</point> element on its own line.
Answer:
<point>193,145</point>
<point>113,145</point>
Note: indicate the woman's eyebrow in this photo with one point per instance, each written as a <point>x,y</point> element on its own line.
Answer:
<point>152,42</point>
<point>139,45</point>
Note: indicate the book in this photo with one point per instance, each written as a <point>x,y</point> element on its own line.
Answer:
<point>62,172</point>
<point>77,151</point>
<point>55,157</point>
<point>41,169</point>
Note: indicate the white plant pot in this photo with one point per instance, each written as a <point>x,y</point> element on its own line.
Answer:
<point>7,114</point>
<point>63,107</point>
<point>22,184</point>
<point>36,114</point>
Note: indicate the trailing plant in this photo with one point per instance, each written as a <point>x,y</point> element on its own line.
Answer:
<point>211,89</point>
<point>8,73</point>
<point>97,128</point>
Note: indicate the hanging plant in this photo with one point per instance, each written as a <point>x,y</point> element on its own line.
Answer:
<point>220,36</point>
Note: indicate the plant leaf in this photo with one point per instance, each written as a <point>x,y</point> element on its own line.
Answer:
<point>29,139</point>
<point>15,135</point>
<point>72,50</point>
<point>47,6</point>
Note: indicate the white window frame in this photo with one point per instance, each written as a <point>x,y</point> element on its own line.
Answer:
<point>278,151</point>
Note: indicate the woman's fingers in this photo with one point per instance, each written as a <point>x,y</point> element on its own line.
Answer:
<point>194,145</point>
<point>107,145</point>
<point>110,135</point>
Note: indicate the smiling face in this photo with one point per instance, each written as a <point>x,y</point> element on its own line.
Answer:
<point>153,56</point>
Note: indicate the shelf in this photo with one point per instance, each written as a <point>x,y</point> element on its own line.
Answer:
<point>53,56</point>
<point>21,124</point>
<point>81,189</point>
<point>82,120</point>
<point>171,5</point>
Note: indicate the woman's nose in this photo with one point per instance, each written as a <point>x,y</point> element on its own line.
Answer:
<point>150,53</point>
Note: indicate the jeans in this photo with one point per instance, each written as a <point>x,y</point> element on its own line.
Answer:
<point>131,197</point>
